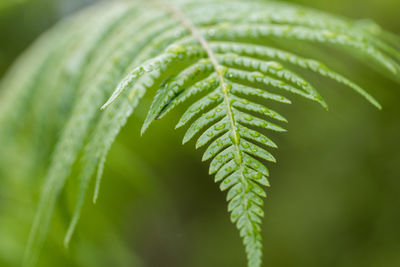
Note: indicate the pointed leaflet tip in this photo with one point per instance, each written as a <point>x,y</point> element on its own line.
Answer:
<point>377,105</point>
<point>69,233</point>
<point>112,98</point>
<point>149,119</point>
<point>179,124</point>
<point>369,98</point>
<point>74,221</point>
<point>323,103</point>
<point>373,101</point>
<point>125,83</point>
<point>117,92</point>
<point>99,175</point>
<point>146,125</point>
<point>151,116</point>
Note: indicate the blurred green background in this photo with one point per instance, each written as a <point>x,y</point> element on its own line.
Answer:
<point>335,191</point>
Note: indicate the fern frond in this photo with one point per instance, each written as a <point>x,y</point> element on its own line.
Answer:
<point>236,167</point>
<point>214,54</point>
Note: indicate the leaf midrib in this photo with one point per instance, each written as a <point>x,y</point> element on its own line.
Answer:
<point>178,14</point>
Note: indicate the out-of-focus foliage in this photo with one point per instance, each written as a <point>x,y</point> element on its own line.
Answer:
<point>21,21</point>
<point>333,204</point>
<point>4,4</point>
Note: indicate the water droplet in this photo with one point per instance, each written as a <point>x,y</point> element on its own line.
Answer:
<point>301,12</point>
<point>177,49</point>
<point>235,137</point>
<point>255,134</point>
<point>210,134</point>
<point>213,97</point>
<point>147,68</point>
<point>257,176</point>
<point>248,117</point>
<point>257,75</point>
<point>276,66</point>
<point>222,70</point>
<point>211,32</point>
<point>195,109</point>
<point>287,29</point>
<point>219,127</point>
<point>238,158</point>
<point>328,34</point>
<point>209,116</point>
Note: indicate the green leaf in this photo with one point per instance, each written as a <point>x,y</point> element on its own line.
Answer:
<point>212,56</point>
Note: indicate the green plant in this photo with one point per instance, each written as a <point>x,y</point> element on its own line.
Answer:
<point>223,56</point>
